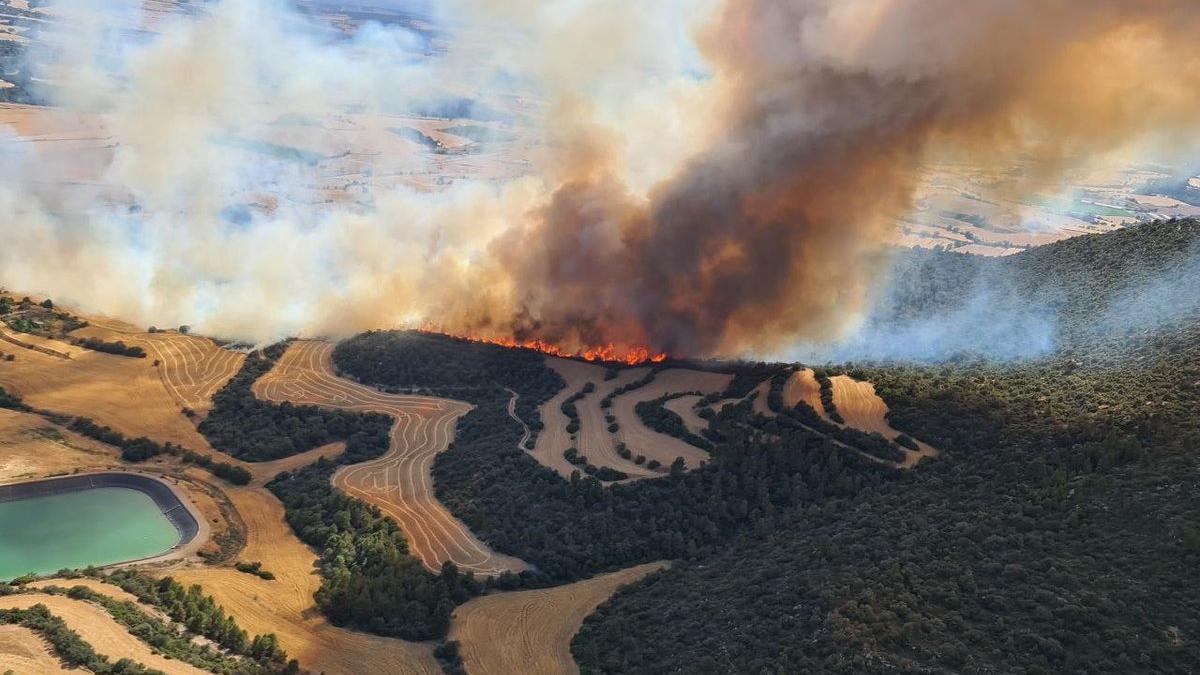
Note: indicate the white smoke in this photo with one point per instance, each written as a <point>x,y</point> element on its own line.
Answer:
<point>190,109</point>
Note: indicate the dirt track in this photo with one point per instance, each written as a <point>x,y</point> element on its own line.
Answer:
<point>23,651</point>
<point>530,632</point>
<point>642,440</point>
<point>400,482</point>
<point>862,409</point>
<point>97,627</point>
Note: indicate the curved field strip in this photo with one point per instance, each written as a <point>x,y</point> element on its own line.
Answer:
<point>642,440</point>
<point>285,606</point>
<point>802,385</point>
<point>25,341</point>
<point>24,651</point>
<point>399,482</point>
<point>594,439</point>
<point>862,409</point>
<point>193,369</point>
<point>114,592</point>
<point>262,472</point>
<point>97,627</point>
<point>685,407</point>
<point>530,632</point>
<point>553,439</point>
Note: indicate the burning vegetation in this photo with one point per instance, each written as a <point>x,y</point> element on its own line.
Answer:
<point>609,353</point>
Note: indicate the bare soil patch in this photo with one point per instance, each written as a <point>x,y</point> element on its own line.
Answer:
<point>530,632</point>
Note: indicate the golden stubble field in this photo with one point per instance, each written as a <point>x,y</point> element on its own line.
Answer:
<point>863,409</point>
<point>23,651</point>
<point>642,440</point>
<point>530,632</point>
<point>594,440</point>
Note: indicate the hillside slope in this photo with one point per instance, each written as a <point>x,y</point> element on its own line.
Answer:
<point>1055,535</point>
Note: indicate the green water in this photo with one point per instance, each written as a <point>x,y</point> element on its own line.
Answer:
<point>99,526</point>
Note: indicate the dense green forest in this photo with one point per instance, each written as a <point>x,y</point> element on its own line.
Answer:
<point>1058,532</point>
<point>572,529</point>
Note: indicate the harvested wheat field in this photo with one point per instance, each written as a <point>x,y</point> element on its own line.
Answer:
<point>594,439</point>
<point>285,605</point>
<point>117,391</point>
<point>553,439</point>
<point>862,409</point>
<point>802,385</point>
<point>23,651</point>
<point>97,627</point>
<point>400,482</point>
<point>652,444</point>
<point>31,447</point>
<point>192,368</point>
<point>685,407</point>
<point>530,632</point>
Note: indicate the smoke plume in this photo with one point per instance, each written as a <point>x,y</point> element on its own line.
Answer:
<point>704,178</point>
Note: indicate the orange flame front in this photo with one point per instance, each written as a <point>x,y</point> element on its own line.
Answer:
<point>609,353</point>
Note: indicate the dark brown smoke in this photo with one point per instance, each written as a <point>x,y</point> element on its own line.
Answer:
<point>773,231</point>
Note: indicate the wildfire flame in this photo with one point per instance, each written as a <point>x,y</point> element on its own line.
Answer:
<point>610,353</point>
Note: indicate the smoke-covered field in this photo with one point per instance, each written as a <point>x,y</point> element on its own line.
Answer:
<point>695,178</point>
